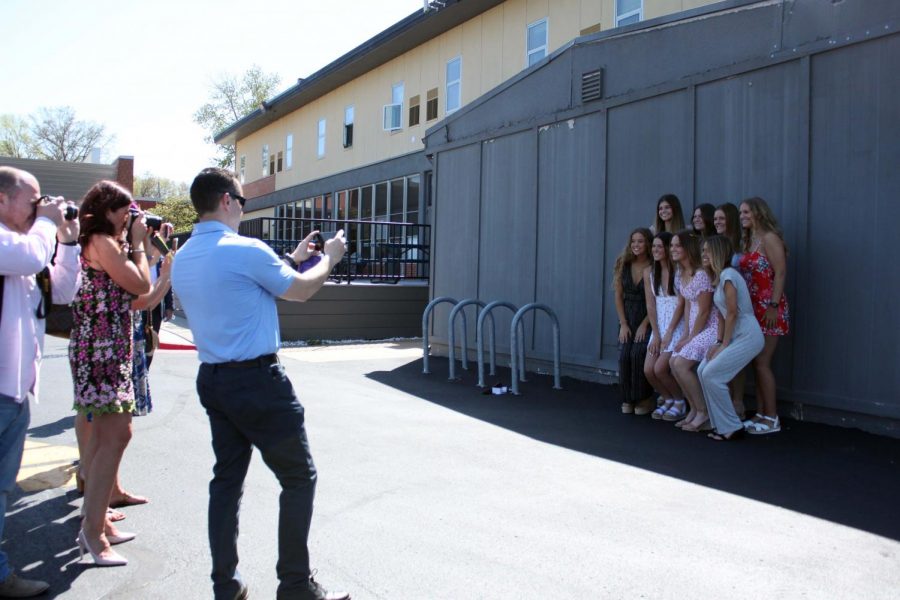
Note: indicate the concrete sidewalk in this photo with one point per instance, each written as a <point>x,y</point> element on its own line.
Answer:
<point>429,489</point>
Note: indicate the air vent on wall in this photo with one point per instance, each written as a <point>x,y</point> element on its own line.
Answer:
<point>592,86</point>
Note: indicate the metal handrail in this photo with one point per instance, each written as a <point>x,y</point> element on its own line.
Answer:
<point>428,309</point>
<point>512,336</point>
<point>465,337</point>
<point>479,338</point>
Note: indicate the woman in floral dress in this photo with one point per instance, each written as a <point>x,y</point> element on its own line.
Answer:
<point>100,351</point>
<point>696,292</point>
<point>764,267</point>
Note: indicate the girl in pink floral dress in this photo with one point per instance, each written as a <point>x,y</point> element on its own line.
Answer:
<point>696,293</point>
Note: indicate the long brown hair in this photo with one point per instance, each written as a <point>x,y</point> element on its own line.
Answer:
<point>104,196</point>
<point>677,214</point>
<point>732,224</point>
<point>627,256</point>
<point>764,219</point>
<point>707,212</point>
<point>690,243</point>
<point>666,238</point>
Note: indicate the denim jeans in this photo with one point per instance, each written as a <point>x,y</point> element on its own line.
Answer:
<point>14,418</point>
<point>257,407</point>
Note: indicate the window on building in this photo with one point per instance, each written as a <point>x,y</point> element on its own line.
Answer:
<point>265,159</point>
<point>289,151</point>
<point>629,11</point>
<point>536,42</point>
<point>279,163</point>
<point>393,112</point>
<point>348,126</point>
<point>272,164</point>
<point>414,111</point>
<point>454,76</point>
<point>243,166</point>
<point>431,105</point>
<point>320,146</point>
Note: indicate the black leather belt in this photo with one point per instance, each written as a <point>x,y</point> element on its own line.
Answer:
<point>260,361</point>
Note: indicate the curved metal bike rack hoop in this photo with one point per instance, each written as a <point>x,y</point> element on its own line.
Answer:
<point>479,338</point>
<point>425,314</point>
<point>458,310</point>
<point>512,336</point>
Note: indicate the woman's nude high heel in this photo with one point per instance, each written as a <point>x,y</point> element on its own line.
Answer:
<point>113,559</point>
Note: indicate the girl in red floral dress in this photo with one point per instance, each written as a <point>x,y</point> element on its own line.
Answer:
<point>764,267</point>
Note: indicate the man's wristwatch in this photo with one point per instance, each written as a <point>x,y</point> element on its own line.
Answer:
<point>290,261</point>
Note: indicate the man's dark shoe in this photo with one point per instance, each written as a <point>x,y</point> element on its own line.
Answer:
<point>16,587</point>
<point>317,592</point>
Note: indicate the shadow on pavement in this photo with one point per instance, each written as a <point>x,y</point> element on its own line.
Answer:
<point>45,543</point>
<point>52,429</point>
<point>842,475</point>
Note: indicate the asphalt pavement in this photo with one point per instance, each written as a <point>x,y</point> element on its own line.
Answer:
<point>429,489</point>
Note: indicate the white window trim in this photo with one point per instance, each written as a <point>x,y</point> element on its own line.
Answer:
<point>289,152</point>
<point>265,159</point>
<point>243,163</point>
<point>351,122</point>
<point>321,129</point>
<point>448,83</point>
<point>639,11</point>
<point>546,47</point>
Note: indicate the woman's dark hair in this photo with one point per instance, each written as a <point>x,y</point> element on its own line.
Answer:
<point>707,213</point>
<point>690,243</point>
<point>732,224</point>
<point>677,214</point>
<point>103,197</point>
<point>666,238</point>
<point>208,186</point>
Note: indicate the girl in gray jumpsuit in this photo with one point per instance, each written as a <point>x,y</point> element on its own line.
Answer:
<point>738,341</point>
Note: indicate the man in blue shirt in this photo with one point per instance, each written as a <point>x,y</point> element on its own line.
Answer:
<point>227,285</point>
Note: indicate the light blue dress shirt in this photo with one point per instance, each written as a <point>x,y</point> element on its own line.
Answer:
<point>227,284</point>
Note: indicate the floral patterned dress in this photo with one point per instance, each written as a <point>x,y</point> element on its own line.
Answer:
<point>696,348</point>
<point>760,277</point>
<point>100,348</point>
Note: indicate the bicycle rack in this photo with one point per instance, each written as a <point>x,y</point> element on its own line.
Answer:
<point>513,355</point>
<point>479,338</point>
<point>425,315</point>
<point>465,336</point>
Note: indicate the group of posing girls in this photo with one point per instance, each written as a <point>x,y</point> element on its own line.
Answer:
<point>696,306</point>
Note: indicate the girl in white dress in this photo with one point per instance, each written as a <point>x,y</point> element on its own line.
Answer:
<point>662,306</point>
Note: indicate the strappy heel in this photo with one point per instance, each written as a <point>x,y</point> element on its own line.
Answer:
<point>112,559</point>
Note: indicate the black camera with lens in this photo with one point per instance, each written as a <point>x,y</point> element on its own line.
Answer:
<point>318,242</point>
<point>154,223</point>
<point>71,213</point>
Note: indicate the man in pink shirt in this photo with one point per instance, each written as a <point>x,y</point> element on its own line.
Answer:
<point>30,227</point>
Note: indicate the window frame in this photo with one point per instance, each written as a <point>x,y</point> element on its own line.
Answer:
<point>347,137</point>
<point>639,11</point>
<point>265,160</point>
<point>321,129</point>
<point>448,83</point>
<point>545,48</point>
<point>392,118</point>
<point>243,166</point>
<point>289,152</point>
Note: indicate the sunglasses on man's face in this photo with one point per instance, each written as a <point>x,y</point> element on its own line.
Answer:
<point>241,200</point>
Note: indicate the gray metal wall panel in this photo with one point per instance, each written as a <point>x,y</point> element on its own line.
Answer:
<point>647,155</point>
<point>455,248</point>
<point>812,21</point>
<point>750,142</point>
<point>848,332</point>
<point>571,195</point>
<point>68,179</point>
<point>508,227</point>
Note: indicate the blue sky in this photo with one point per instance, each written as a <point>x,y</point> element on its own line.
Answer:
<point>143,68</point>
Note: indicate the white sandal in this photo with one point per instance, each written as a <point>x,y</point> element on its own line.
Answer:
<point>749,422</point>
<point>662,408</point>
<point>763,428</point>
<point>676,412</point>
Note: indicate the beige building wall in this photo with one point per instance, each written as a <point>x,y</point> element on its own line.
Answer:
<point>492,47</point>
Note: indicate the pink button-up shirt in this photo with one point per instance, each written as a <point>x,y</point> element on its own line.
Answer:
<point>21,332</point>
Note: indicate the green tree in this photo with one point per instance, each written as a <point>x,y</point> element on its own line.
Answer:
<point>232,98</point>
<point>149,185</point>
<point>178,211</point>
<point>15,137</point>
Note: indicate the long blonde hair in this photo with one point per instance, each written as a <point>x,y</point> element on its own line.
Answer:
<point>764,219</point>
<point>720,251</point>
